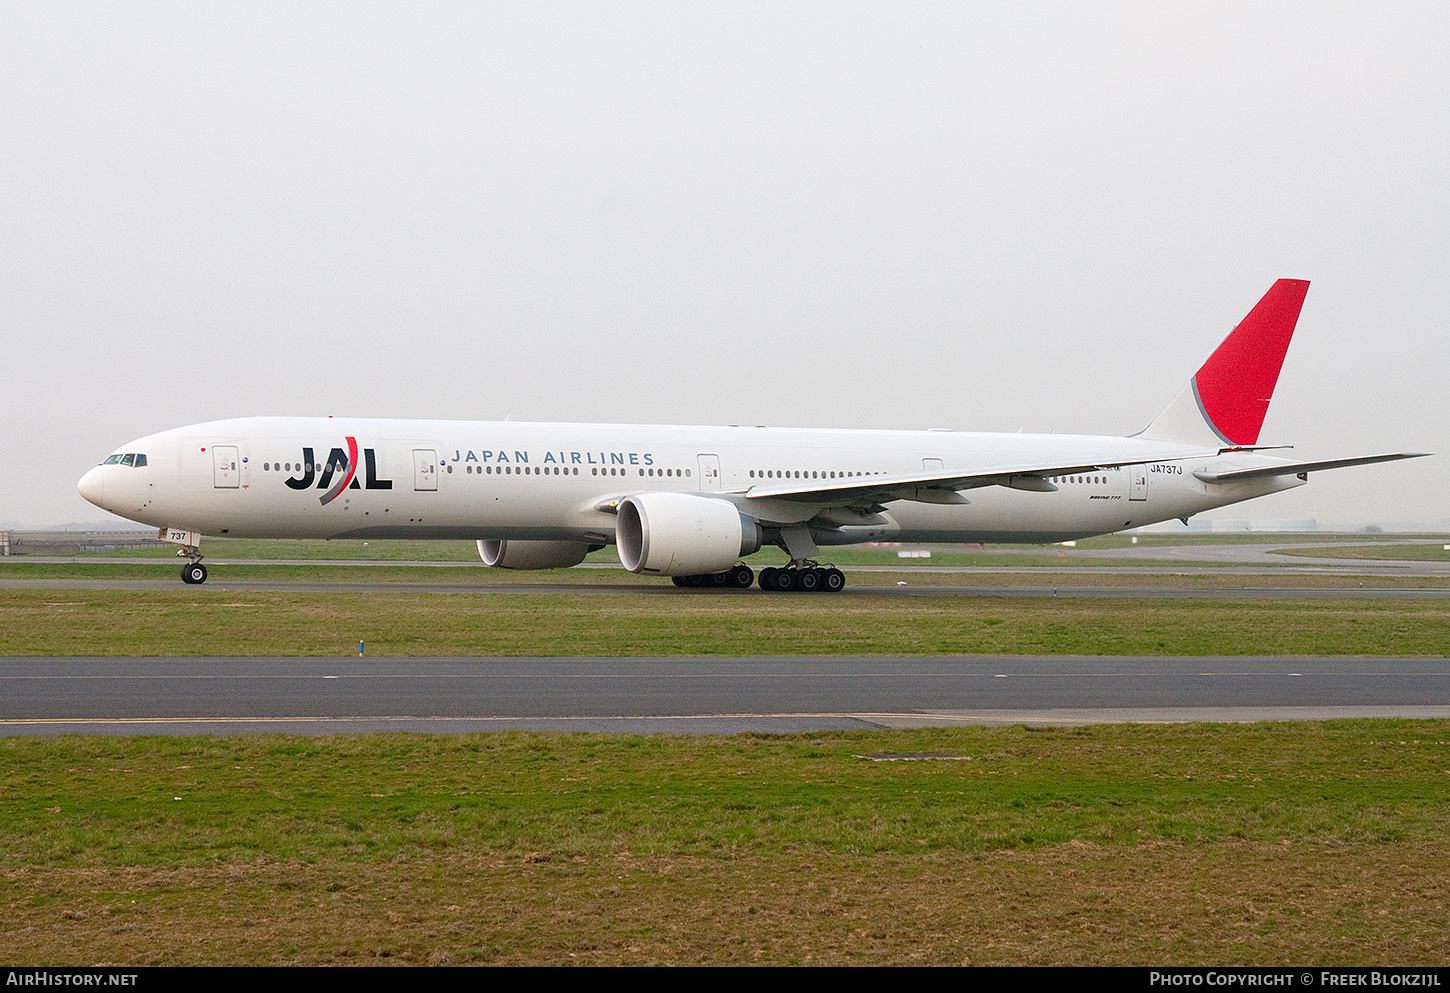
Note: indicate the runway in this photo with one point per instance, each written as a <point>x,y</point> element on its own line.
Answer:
<point>46,696</point>
<point>220,585</point>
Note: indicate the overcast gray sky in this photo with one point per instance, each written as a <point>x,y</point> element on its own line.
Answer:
<point>982,216</point>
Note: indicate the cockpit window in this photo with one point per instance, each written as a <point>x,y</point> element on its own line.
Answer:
<point>140,460</point>
<point>135,459</point>
<point>128,459</point>
<point>113,460</point>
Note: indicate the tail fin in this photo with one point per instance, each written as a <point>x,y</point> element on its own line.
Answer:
<point>1226,400</point>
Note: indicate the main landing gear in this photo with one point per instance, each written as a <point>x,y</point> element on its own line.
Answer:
<point>806,579</point>
<point>739,578</point>
<point>193,573</point>
<point>803,579</point>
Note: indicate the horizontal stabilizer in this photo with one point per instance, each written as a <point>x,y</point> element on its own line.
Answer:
<point>1294,468</point>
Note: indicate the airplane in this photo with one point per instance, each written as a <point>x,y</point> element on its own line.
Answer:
<point>689,502</point>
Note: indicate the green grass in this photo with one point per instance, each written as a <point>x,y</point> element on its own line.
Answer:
<point>195,801</point>
<point>213,621</point>
<point>1099,845</point>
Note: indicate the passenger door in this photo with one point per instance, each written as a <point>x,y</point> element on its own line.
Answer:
<point>224,473</point>
<point>709,472</point>
<point>425,469</point>
<point>1137,482</point>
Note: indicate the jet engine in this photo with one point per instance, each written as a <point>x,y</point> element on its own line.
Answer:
<point>508,554</point>
<point>680,534</point>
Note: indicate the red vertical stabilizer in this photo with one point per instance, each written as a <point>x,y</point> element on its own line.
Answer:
<point>1236,383</point>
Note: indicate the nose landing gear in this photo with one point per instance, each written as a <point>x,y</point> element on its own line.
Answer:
<point>193,573</point>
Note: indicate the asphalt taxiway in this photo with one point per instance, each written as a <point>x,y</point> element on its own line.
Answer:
<point>714,695</point>
<point>221,585</point>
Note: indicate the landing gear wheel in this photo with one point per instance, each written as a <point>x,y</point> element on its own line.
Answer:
<point>833,580</point>
<point>809,580</point>
<point>718,579</point>
<point>783,581</point>
<point>767,577</point>
<point>193,573</point>
<point>680,581</point>
<point>742,577</point>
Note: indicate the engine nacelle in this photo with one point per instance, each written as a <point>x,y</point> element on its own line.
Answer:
<point>508,554</point>
<point>680,534</point>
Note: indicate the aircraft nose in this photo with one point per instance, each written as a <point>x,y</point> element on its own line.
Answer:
<point>91,487</point>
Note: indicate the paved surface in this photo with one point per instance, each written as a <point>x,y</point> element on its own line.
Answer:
<point>219,584</point>
<point>694,695</point>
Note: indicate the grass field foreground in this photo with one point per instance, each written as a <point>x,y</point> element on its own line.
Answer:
<point>214,622</point>
<point>1311,843</point>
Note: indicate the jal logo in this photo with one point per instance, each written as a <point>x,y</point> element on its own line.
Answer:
<point>341,465</point>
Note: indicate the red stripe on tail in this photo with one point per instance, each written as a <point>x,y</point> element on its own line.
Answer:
<point>1236,383</point>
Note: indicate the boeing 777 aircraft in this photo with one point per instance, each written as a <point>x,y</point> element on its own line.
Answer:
<point>689,502</point>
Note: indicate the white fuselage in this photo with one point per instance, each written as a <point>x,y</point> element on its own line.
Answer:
<point>282,477</point>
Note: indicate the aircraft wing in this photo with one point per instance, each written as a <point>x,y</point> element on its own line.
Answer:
<point>1294,468</point>
<point>939,487</point>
